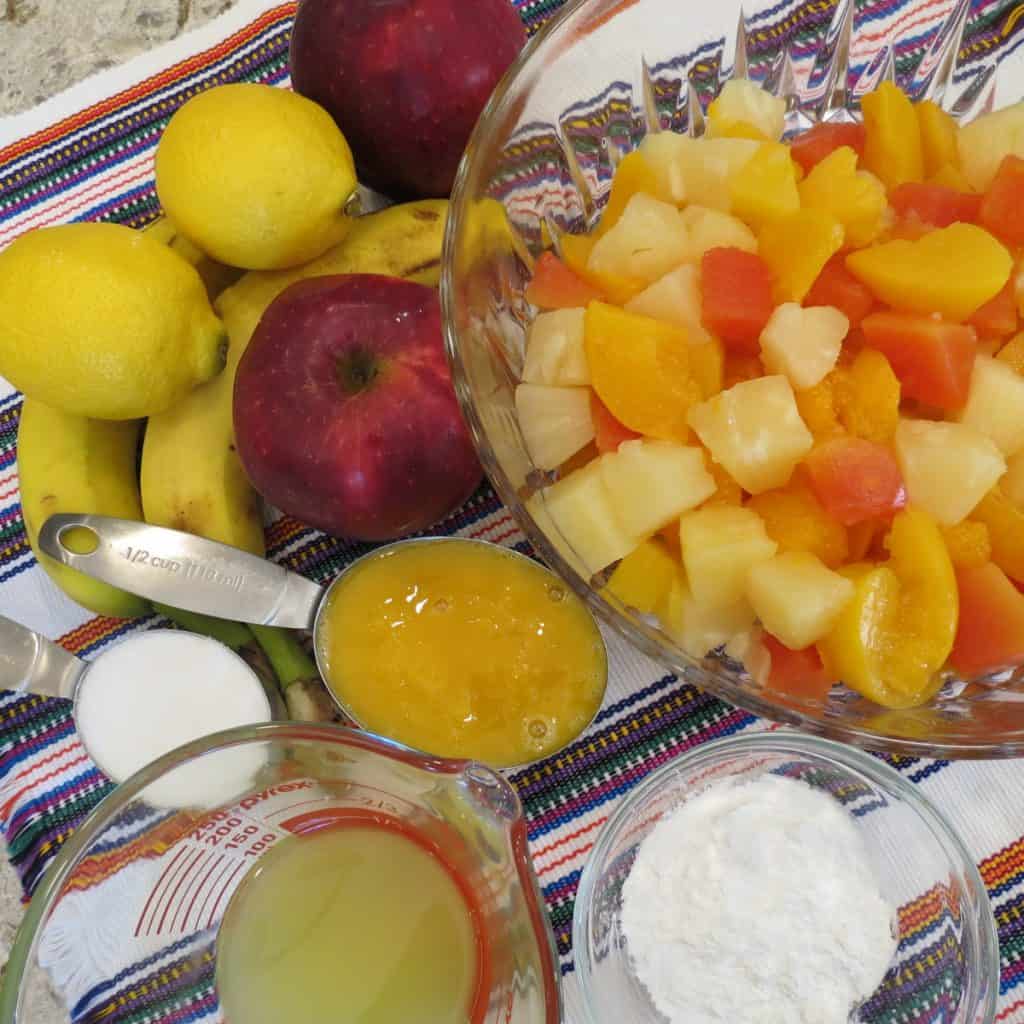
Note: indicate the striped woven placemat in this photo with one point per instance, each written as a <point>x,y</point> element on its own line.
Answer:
<point>87,155</point>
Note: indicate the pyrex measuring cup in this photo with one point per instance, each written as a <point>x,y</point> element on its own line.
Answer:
<point>127,702</point>
<point>125,923</point>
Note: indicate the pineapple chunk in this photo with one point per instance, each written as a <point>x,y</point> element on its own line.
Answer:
<point>555,422</point>
<point>755,431</point>
<point>947,467</point>
<point>644,578</point>
<point>650,483</point>
<point>645,243</point>
<point>983,142</point>
<point>720,545</point>
<point>803,344</point>
<point>742,102</point>
<point>995,404</point>
<point>578,507</point>
<point>554,350</point>
<point>713,229</point>
<point>1013,483</point>
<point>696,170</point>
<point>796,597</point>
<point>674,298</point>
<point>697,629</point>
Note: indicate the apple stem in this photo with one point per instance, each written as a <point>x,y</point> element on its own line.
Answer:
<point>357,370</point>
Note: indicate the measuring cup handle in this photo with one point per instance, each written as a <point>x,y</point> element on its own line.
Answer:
<point>181,570</point>
<point>28,661</point>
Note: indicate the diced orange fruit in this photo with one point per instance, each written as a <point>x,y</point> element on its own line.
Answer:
<point>817,407</point>
<point>727,491</point>
<point>868,397</point>
<point>796,521</point>
<point>1005,524</point>
<point>640,369</point>
<point>968,544</point>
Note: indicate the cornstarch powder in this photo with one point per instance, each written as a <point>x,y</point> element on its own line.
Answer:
<point>756,902</point>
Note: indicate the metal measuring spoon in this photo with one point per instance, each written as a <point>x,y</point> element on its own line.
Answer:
<point>29,662</point>
<point>199,575</point>
<point>185,571</point>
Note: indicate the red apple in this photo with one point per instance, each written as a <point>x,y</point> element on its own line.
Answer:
<point>404,79</point>
<point>345,415</point>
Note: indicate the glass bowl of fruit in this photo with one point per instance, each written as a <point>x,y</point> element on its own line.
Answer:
<point>732,305</point>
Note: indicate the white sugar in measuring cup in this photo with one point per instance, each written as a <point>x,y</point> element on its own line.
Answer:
<point>142,697</point>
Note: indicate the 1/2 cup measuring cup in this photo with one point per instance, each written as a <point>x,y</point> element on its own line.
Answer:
<point>145,695</point>
<point>125,923</point>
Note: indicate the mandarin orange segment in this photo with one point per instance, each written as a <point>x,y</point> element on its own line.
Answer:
<point>817,407</point>
<point>796,521</point>
<point>968,544</point>
<point>1005,524</point>
<point>868,397</point>
<point>640,369</point>
<point>727,492</point>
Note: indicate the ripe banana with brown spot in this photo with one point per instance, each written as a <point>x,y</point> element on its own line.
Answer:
<point>399,241</point>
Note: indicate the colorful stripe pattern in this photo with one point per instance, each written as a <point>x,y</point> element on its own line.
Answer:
<point>97,164</point>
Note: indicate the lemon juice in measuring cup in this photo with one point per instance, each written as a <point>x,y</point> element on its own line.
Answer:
<point>345,878</point>
<point>363,914</point>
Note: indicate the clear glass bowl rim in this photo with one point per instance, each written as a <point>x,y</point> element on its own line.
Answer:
<point>879,774</point>
<point>484,139</point>
<point>59,869</point>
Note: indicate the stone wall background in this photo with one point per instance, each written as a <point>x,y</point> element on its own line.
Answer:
<point>48,45</point>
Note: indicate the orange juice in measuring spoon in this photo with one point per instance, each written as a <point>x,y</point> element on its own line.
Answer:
<point>462,648</point>
<point>458,647</point>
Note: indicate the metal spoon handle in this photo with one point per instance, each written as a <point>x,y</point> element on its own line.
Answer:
<point>28,661</point>
<point>184,571</point>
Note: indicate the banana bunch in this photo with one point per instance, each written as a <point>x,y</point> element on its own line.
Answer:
<point>189,476</point>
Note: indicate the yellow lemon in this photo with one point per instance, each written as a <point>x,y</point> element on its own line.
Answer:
<point>256,177</point>
<point>102,321</point>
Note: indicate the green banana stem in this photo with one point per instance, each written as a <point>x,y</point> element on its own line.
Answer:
<point>304,693</point>
<point>290,662</point>
<point>232,634</point>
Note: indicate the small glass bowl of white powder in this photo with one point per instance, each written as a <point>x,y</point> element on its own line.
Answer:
<point>782,879</point>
